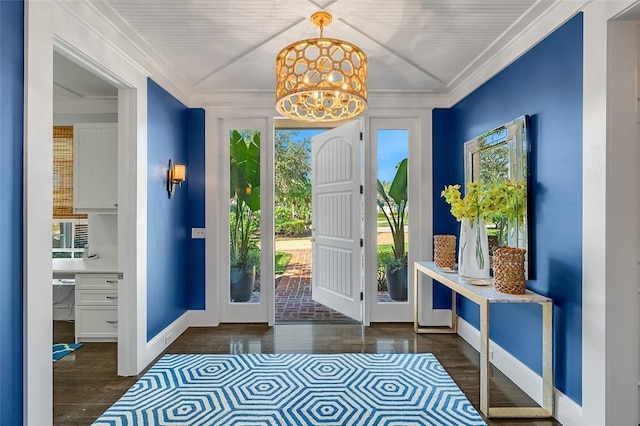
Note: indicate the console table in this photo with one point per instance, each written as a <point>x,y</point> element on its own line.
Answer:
<point>484,296</point>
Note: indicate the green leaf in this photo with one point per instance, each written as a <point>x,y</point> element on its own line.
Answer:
<point>398,189</point>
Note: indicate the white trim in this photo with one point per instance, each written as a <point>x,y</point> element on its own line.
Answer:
<point>261,311</point>
<point>99,19</point>
<point>489,64</point>
<point>38,204</point>
<point>610,215</point>
<point>440,317</point>
<point>49,24</point>
<point>129,294</point>
<point>566,411</point>
<point>164,338</point>
<point>419,159</point>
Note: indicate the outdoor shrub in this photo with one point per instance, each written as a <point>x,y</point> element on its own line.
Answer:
<point>292,228</point>
<point>283,213</point>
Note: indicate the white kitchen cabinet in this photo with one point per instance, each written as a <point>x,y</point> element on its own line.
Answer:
<point>96,308</point>
<point>95,168</point>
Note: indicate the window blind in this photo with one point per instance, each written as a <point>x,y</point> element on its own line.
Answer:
<point>63,174</point>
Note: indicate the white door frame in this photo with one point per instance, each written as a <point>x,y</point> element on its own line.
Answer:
<point>610,215</point>
<point>420,212</point>
<point>263,311</point>
<point>47,26</point>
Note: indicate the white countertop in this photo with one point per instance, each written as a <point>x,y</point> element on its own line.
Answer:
<point>84,266</point>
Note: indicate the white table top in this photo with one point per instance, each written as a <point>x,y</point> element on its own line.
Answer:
<point>477,292</point>
<point>85,266</point>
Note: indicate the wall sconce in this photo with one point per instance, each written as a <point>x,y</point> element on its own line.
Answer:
<point>176,174</point>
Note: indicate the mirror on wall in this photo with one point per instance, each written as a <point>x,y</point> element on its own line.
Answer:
<point>497,156</point>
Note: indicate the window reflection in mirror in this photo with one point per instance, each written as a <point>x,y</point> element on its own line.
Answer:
<point>496,156</point>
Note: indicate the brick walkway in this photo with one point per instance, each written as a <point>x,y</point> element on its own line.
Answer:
<point>293,292</point>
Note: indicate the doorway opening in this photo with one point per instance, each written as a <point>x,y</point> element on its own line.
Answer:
<point>293,229</point>
<point>84,224</point>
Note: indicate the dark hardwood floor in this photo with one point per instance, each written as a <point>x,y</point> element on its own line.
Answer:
<point>85,382</point>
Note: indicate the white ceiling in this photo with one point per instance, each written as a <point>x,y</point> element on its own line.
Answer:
<point>73,83</point>
<point>427,46</point>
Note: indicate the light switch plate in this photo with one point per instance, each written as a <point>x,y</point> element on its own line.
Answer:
<point>198,233</point>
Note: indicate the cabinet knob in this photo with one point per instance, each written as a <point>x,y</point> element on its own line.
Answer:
<point>115,204</point>
<point>112,322</point>
<point>112,297</point>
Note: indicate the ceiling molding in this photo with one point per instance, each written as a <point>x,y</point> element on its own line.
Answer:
<point>393,52</point>
<point>541,18</point>
<point>494,62</point>
<point>247,52</point>
<point>263,100</point>
<point>102,20</point>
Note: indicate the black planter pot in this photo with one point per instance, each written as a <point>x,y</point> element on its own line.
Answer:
<point>242,280</point>
<point>397,284</point>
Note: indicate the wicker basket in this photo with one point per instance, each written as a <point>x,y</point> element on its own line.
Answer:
<point>508,270</point>
<point>444,251</point>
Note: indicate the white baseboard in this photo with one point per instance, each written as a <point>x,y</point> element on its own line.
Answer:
<point>442,317</point>
<point>203,318</point>
<point>566,411</point>
<point>163,339</point>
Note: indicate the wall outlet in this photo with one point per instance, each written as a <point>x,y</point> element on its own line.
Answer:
<point>198,233</point>
<point>167,339</point>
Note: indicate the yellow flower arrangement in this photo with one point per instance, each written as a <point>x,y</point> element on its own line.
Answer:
<point>500,200</point>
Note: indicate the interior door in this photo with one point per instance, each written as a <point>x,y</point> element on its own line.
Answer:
<point>337,220</point>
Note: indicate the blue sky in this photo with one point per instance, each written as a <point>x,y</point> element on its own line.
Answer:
<point>392,148</point>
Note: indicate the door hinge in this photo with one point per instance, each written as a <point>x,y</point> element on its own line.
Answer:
<point>361,189</point>
<point>361,296</point>
<point>361,242</point>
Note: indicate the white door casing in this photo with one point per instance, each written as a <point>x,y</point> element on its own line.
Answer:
<point>336,163</point>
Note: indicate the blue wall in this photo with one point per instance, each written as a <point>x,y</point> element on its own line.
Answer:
<point>196,174</point>
<point>172,128</point>
<point>11,144</point>
<point>546,84</point>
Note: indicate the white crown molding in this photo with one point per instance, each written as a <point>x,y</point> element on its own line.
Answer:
<point>253,100</point>
<point>539,21</point>
<point>525,33</point>
<point>492,61</point>
<point>566,411</point>
<point>102,21</point>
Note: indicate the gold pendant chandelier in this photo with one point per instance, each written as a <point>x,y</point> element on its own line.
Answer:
<point>321,79</point>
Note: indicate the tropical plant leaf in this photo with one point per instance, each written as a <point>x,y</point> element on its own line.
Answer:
<point>398,189</point>
<point>382,193</point>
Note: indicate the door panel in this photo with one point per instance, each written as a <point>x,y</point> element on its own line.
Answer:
<point>336,219</point>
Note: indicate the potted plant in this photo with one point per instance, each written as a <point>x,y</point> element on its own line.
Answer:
<point>244,211</point>
<point>499,203</point>
<point>394,212</point>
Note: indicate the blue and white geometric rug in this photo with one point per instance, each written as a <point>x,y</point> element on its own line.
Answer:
<point>294,389</point>
<point>62,349</point>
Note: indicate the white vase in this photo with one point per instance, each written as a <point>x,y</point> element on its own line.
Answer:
<point>473,252</point>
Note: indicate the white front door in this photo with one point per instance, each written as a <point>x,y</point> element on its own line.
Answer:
<point>337,219</point>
